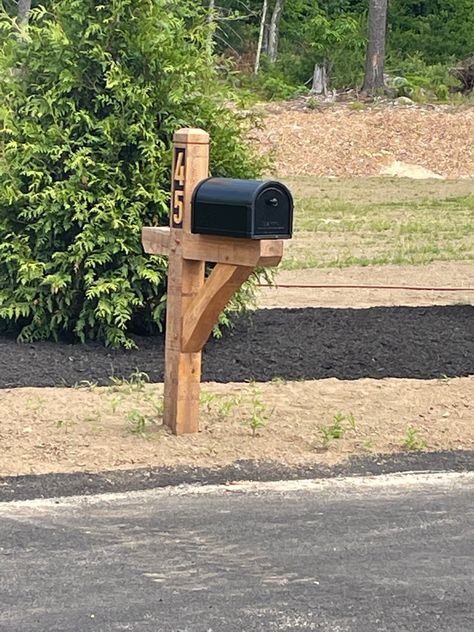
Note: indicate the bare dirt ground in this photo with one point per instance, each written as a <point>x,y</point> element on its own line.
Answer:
<point>65,430</point>
<point>439,274</point>
<point>342,141</point>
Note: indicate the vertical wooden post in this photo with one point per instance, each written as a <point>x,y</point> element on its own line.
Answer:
<point>185,279</point>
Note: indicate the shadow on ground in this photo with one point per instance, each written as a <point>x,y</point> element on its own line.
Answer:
<point>30,486</point>
<point>293,344</point>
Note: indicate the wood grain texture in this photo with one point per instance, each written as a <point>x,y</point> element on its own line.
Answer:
<point>232,250</point>
<point>214,248</point>
<point>185,278</point>
<point>193,307</point>
<point>203,311</point>
<point>156,240</point>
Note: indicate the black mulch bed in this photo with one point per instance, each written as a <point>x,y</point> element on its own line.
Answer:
<point>86,483</point>
<point>294,344</point>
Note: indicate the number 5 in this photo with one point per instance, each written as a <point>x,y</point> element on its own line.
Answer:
<point>178,204</point>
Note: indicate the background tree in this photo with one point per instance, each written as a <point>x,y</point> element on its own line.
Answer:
<point>261,35</point>
<point>24,7</point>
<point>374,81</point>
<point>274,30</point>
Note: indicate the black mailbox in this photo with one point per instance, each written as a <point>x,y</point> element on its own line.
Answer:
<point>242,208</point>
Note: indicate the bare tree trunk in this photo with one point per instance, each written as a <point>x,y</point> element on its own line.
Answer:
<point>320,80</point>
<point>374,65</point>
<point>260,37</point>
<point>24,7</point>
<point>274,31</point>
<point>210,22</point>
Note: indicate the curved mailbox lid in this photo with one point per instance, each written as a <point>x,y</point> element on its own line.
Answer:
<point>227,191</point>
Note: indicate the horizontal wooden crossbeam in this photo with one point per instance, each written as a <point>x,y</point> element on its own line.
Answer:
<point>213,248</point>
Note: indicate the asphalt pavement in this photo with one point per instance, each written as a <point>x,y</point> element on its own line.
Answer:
<point>357,554</point>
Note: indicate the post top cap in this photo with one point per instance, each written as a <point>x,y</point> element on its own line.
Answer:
<point>193,135</point>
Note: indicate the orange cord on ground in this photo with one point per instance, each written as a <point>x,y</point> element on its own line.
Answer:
<point>369,287</point>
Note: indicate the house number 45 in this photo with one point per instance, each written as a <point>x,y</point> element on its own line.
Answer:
<point>178,187</point>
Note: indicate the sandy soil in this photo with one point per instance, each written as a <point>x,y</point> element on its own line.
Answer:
<point>62,430</point>
<point>440,274</point>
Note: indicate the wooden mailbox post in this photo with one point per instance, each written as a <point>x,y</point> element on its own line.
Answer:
<point>193,302</point>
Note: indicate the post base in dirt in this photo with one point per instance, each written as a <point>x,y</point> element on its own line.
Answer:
<point>182,370</point>
<point>193,302</point>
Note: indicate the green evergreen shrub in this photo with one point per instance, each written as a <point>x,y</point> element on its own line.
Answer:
<point>90,95</point>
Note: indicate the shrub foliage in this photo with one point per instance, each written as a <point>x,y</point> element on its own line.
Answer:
<point>90,96</point>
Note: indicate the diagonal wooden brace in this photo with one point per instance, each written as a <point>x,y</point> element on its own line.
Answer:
<point>203,311</point>
<point>235,260</point>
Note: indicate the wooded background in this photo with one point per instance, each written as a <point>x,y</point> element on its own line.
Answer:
<point>283,41</point>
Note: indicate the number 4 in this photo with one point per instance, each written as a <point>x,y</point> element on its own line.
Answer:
<point>179,168</point>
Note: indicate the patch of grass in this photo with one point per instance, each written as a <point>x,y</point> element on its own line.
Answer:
<point>207,401</point>
<point>135,382</point>
<point>339,223</point>
<point>357,106</point>
<point>412,441</point>
<point>279,381</point>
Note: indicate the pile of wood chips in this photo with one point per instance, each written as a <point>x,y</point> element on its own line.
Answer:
<point>341,140</point>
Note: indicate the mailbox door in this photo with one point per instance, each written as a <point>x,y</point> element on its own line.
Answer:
<point>273,213</point>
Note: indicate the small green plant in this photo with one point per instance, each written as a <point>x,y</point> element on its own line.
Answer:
<point>313,104</point>
<point>136,382</point>
<point>118,383</point>
<point>137,422</point>
<point>226,405</point>
<point>412,441</point>
<point>156,403</point>
<point>207,400</point>
<point>279,381</point>
<point>336,429</point>
<point>85,385</point>
<point>368,445</point>
<point>138,379</point>
<point>357,106</point>
<point>332,431</point>
<point>351,420</point>
<point>219,405</point>
<point>63,424</point>
<point>158,407</point>
<point>259,415</point>
<point>115,403</point>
